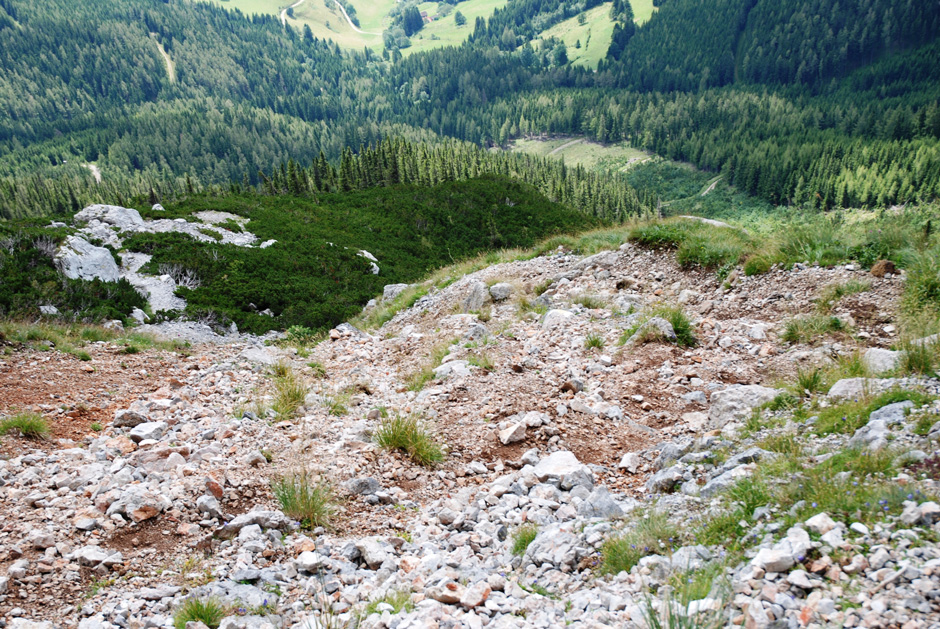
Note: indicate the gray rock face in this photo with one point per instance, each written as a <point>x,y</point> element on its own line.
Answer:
<point>665,480</point>
<point>564,469</point>
<point>475,296</point>
<point>892,413</point>
<point>873,435</point>
<point>121,217</point>
<point>604,260</point>
<point>78,259</point>
<point>736,403</point>
<point>391,291</point>
<point>264,519</point>
<point>879,361</point>
<point>258,355</point>
<point>554,318</point>
<point>365,486</point>
<point>147,430</point>
<point>856,387</point>
<point>600,504</point>
<point>501,291</point>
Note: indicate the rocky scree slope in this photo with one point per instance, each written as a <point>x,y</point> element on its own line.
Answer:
<point>549,427</point>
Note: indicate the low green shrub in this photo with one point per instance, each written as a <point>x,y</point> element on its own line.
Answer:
<point>594,341</point>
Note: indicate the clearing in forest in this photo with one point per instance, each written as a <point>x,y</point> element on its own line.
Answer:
<point>577,151</point>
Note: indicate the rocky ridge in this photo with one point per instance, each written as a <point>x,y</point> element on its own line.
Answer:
<point>172,500</point>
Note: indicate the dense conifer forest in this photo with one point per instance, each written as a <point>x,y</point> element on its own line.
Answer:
<point>799,102</point>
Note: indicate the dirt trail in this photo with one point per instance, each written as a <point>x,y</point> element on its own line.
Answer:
<point>351,25</point>
<point>284,12</point>
<point>95,171</point>
<point>170,66</point>
<point>566,145</point>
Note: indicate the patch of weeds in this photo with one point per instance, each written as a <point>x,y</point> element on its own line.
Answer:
<point>319,371</point>
<point>928,468</point>
<point>832,294</point>
<point>591,302</point>
<point>806,329</point>
<point>671,610</point>
<point>694,585</point>
<point>484,314</point>
<point>809,381</point>
<point>399,600</point>
<point>130,349</point>
<point>786,444</point>
<point>850,416</point>
<point>385,311</point>
<point>537,588</point>
<point>209,611</point>
<point>97,427</point>
<point>416,380</point>
<point>652,535</point>
<point>525,305</point>
<point>290,391</point>
<point>541,287</point>
<point>674,314</point>
<point>594,341</point>
<point>28,425</point>
<point>522,537</point>
<point>410,435</point>
<point>81,355</point>
<point>267,454</point>
<point>310,502</point>
<point>919,358</point>
<point>337,404</point>
<point>302,337</point>
<point>481,360</point>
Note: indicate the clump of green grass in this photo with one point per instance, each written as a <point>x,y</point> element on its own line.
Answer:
<point>410,435</point>
<point>337,403</point>
<point>541,287</point>
<point>319,371</point>
<point>696,243</point>
<point>525,305</point>
<point>591,302</point>
<point>919,358</point>
<point>594,341</point>
<point>97,427</point>
<point>849,416</point>
<point>400,600</point>
<point>522,537</point>
<point>385,311</point>
<point>209,611</point>
<point>28,425</point>
<point>810,381</point>
<point>302,337</point>
<point>922,287</point>
<point>786,444</point>
<point>310,502</point>
<point>417,379</point>
<point>290,391</point>
<point>680,322</point>
<point>806,329</point>
<point>652,535</point>
<point>832,294</point>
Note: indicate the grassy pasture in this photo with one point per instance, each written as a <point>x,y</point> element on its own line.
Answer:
<point>445,32</point>
<point>594,36</point>
<point>582,152</point>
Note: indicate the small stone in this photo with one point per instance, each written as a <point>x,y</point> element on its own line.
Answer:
<point>512,433</point>
<point>475,595</point>
<point>820,523</point>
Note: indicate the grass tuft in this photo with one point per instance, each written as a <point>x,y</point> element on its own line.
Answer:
<point>28,425</point>
<point>410,435</point>
<point>806,329</point>
<point>652,535</point>
<point>310,502</point>
<point>290,391</point>
<point>594,341</point>
<point>209,611</point>
<point>522,537</point>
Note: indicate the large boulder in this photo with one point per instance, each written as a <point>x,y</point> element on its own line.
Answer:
<point>564,469</point>
<point>604,260</point>
<point>555,317</point>
<point>879,361</point>
<point>849,388</point>
<point>391,291</point>
<point>78,259</point>
<point>736,403</point>
<point>123,218</point>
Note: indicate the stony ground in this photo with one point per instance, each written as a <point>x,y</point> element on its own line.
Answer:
<point>171,499</point>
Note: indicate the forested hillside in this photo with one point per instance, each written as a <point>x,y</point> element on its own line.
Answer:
<point>797,101</point>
